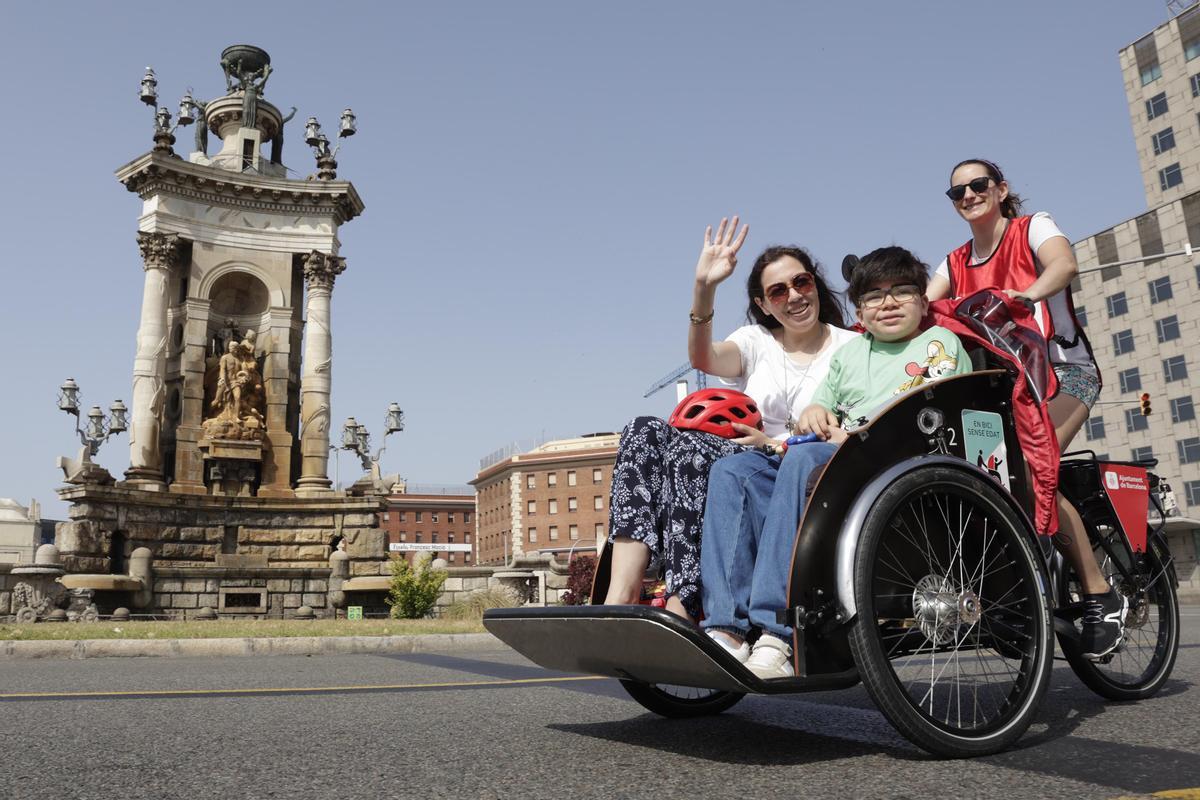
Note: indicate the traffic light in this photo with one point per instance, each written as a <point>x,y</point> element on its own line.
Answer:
<point>1145,404</point>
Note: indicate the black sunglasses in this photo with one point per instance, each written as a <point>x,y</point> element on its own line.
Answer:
<point>978,186</point>
<point>779,292</point>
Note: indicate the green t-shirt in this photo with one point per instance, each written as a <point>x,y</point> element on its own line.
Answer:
<point>864,373</point>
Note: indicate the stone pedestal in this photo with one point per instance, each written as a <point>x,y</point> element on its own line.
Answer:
<point>231,467</point>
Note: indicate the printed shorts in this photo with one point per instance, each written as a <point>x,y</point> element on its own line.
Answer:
<point>1082,383</point>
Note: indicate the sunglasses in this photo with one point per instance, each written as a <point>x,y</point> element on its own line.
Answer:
<point>778,292</point>
<point>978,186</point>
<point>904,293</point>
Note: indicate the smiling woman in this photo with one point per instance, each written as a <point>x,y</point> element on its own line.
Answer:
<point>660,479</point>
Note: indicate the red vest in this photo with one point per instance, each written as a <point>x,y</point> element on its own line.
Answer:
<point>1012,266</point>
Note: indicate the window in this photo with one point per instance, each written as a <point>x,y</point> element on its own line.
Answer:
<point>552,479</point>
<point>418,514</point>
<point>573,532</point>
<point>1134,421</point>
<point>598,503</point>
<point>450,538</point>
<point>433,537</point>
<point>1168,328</point>
<point>1131,380</point>
<point>533,534</point>
<point>1149,234</point>
<point>553,506</point>
<point>466,516</point>
<point>1170,176</point>
<point>570,477</point>
<point>1182,409</point>
<point>1081,315</point>
<point>466,558</point>
<point>1163,141</point>
<point>1174,369</point>
<point>597,475</point>
<point>404,536</point>
<point>1123,342</point>
<point>1160,289</point>
<point>599,531</point>
<point>531,507</point>
<point>451,557</point>
<point>417,538</point>
<point>572,504</point>
<point>1189,450</point>
<point>530,482</point>
<point>554,533</point>
<point>1156,106</point>
<point>1145,51</point>
<point>1116,304</point>
<point>467,538</point>
<point>1196,85</point>
<point>1106,253</point>
<point>449,516</point>
<point>386,516</point>
<point>404,516</point>
<point>1189,34</point>
<point>1094,428</point>
<point>433,517</point>
<point>1191,490</point>
<point>1142,453</point>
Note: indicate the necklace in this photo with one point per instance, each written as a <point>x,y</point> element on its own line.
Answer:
<point>975,258</point>
<point>787,394</point>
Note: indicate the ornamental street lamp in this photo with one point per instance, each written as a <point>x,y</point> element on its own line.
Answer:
<point>357,439</point>
<point>164,133</point>
<point>99,427</point>
<point>319,142</point>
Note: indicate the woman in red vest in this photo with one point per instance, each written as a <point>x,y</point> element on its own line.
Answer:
<point>1029,258</point>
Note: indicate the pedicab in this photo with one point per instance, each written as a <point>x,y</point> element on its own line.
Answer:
<point>918,569</point>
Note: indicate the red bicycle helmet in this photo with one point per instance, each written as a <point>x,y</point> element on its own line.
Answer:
<point>712,411</point>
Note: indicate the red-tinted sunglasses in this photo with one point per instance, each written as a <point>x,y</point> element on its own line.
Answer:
<point>778,292</point>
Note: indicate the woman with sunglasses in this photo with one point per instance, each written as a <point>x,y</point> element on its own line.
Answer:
<point>660,479</point>
<point>1029,258</point>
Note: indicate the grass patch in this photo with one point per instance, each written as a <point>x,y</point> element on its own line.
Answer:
<point>233,629</point>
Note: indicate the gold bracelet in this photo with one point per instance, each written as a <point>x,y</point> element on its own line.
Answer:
<point>697,320</point>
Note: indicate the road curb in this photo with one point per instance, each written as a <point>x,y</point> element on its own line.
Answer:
<point>272,646</point>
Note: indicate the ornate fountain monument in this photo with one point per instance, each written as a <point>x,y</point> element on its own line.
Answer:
<point>228,484</point>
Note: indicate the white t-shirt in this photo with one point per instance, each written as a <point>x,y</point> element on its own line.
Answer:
<point>1042,228</point>
<point>775,381</point>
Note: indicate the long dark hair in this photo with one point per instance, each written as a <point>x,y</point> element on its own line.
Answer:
<point>1010,207</point>
<point>830,311</point>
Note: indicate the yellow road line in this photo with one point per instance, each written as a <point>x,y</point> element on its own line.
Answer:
<point>1168,794</point>
<point>293,690</point>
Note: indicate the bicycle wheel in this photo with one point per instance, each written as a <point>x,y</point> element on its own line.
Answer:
<point>953,637</point>
<point>1143,662</point>
<point>680,701</point>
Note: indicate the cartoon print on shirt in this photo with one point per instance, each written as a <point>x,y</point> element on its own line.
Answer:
<point>849,423</point>
<point>938,364</point>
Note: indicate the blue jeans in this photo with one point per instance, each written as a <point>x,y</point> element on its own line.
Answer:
<point>751,516</point>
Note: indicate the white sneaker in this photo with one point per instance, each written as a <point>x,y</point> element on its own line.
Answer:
<point>771,658</point>
<point>741,652</point>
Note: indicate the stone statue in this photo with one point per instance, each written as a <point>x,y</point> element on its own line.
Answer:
<point>201,127</point>
<point>251,84</point>
<point>238,400</point>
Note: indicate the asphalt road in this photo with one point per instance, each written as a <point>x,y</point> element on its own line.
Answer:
<point>491,725</point>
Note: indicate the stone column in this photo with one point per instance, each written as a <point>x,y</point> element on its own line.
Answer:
<point>160,252</point>
<point>277,458</point>
<point>320,271</point>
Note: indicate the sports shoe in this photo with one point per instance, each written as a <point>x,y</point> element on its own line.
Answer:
<point>741,652</point>
<point>771,657</point>
<point>1103,623</point>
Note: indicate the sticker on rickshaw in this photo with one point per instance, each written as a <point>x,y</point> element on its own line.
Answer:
<point>1128,489</point>
<point>983,442</point>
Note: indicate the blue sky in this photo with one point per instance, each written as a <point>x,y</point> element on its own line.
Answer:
<point>537,178</point>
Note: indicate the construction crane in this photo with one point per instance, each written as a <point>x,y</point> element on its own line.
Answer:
<point>678,377</point>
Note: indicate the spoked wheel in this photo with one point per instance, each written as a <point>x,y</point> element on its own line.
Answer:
<point>1143,662</point>
<point>680,701</point>
<point>953,637</point>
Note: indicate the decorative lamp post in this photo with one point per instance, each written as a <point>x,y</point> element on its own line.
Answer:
<point>357,439</point>
<point>319,142</point>
<point>99,427</point>
<point>164,133</point>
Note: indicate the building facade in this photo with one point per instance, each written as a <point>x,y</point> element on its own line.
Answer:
<point>1139,312</point>
<point>436,520</point>
<point>552,499</point>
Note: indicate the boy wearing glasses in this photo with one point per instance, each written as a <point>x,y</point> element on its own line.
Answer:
<point>749,525</point>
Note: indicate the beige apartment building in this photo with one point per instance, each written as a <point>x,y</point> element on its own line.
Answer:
<point>1142,315</point>
<point>551,499</point>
